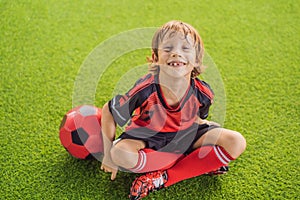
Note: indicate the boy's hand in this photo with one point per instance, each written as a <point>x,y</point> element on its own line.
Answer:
<point>108,166</point>
<point>204,121</point>
<point>213,123</point>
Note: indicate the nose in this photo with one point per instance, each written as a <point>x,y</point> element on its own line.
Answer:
<point>175,53</point>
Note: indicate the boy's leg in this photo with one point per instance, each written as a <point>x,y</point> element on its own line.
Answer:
<point>203,160</point>
<point>124,152</point>
<point>132,155</point>
<point>222,146</point>
<point>233,142</point>
<point>151,160</point>
<point>200,161</point>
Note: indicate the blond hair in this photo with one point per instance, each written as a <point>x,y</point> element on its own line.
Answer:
<point>185,29</point>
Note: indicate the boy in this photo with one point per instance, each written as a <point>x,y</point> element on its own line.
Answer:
<point>167,136</point>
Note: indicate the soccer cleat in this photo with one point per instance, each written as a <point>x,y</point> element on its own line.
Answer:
<point>221,170</point>
<point>147,183</point>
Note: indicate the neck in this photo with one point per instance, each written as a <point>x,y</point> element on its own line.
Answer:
<point>174,88</point>
<point>175,84</point>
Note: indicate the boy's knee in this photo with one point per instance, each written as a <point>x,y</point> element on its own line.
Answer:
<point>121,156</point>
<point>241,141</point>
<point>116,155</point>
<point>238,142</point>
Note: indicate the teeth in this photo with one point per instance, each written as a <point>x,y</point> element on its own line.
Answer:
<point>175,64</point>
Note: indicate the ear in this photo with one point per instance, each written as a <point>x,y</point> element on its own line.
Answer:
<point>154,57</point>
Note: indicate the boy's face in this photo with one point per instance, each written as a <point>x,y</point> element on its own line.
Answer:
<point>177,54</point>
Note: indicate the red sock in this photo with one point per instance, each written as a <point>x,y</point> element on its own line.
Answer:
<point>151,160</point>
<point>200,161</point>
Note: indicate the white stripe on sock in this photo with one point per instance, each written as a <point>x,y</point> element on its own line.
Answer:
<point>223,155</point>
<point>143,160</point>
<point>219,156</point>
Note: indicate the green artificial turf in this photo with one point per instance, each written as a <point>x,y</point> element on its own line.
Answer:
<point>254,44</point>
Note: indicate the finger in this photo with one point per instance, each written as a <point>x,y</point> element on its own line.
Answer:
<point>214,123</point>
<point>113,175</point>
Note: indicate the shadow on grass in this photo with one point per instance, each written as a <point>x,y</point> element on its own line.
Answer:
<point>202,187</point>
<point>83,179</point>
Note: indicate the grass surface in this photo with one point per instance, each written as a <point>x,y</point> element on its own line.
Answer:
<point>255,45</point>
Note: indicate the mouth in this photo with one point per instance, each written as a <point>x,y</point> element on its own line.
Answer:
<point>176,63</point>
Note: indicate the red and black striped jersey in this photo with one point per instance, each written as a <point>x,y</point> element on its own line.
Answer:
<point>144,106</point>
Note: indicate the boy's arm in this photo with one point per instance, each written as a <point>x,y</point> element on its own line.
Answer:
<point>108,126</point>
<point>204,121</point>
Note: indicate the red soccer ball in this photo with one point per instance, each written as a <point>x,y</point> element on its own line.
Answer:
<point>80,132</point>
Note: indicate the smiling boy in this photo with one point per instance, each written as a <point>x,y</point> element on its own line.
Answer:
<point>167,137</point>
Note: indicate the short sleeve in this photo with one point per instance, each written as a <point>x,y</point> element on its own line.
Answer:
<point>122,106</point>
<point>205,97</point>
<point>204,110</point>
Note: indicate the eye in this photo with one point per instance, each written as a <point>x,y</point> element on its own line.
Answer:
<point>186,48</point>
<point>167,49</point>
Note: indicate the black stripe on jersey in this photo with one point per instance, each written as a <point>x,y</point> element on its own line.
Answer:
<point>122,113</point>
<point>141,80</point>
<point>159,91</point>
<point>204,99</point>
